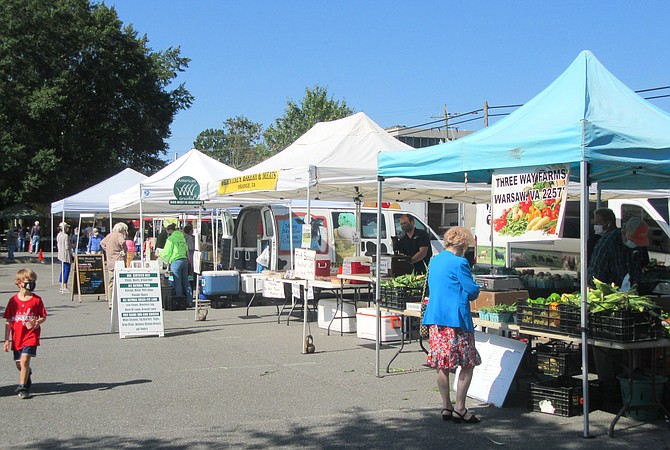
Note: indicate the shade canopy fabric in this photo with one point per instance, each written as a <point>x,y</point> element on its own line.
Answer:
<point>158,194</point>
<point>586,114</point>
<point>96,198</point>
<point>338,161</point>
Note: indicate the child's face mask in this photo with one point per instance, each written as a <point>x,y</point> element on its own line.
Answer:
<point>29,285</point>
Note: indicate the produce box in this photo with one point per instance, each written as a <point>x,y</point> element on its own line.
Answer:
<point>396,293</point>
<point>557,359</point>
<point>625,326</point>
<point>563,396</point>
<point>492,298</point>
<point>558,319</point>
<point>398,296</point>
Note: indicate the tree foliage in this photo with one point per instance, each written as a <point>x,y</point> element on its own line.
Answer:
<point>238,144</point>
<point>81,98</point>
<point>298,118</point>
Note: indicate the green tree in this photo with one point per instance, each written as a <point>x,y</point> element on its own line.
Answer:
<point>81,98</point>
<point>315,107</point>
<point>238,144</point>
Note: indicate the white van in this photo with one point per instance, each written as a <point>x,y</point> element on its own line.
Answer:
<point>564,253</point>
<point>333,232</point>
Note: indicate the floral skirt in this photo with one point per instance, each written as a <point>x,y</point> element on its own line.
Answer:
<point>451,348</point>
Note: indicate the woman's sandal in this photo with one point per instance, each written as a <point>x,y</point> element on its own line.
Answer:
<point>447,414</point>
<point>458,417</point>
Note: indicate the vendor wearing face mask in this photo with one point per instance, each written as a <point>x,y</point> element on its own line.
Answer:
<point>609,261</point>
<point>415,243</point>
<point>635,237</point>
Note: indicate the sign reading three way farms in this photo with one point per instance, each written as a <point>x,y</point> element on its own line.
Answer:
<point>529,206</point>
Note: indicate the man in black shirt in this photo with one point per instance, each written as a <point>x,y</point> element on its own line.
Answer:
<point>415,243</point>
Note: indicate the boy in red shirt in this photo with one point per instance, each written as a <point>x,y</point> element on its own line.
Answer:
<point>24,315</point>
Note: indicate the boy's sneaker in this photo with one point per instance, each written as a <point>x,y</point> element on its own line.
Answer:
<point>24,394</point>
<point>20,387</point>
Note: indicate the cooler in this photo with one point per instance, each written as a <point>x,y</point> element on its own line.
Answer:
<point>356,265</point>
<point>322,266</point>
<point>366,325</point>
<point>220,282</point>
<point>251,282</point>
<point>244,258</point>
<point>345,320</point>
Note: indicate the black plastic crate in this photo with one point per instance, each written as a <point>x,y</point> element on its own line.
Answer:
<point>533,317</point>
<point>625,326</point>
<point>557,359</point>
<point>175,303</point>
<point>398,296</point>
<point>563,396</point>
<point>220,302</point>
<point>560,319</point>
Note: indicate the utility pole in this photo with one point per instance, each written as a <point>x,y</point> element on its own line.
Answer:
<point>446,123</point>
<point>486,113</point>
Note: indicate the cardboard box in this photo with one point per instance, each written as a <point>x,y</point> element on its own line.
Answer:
<point>492,298</point>
<point>366,325</point>
<point>345,318</point>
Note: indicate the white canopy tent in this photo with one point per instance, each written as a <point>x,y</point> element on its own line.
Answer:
<point>177,188</point>
<point>94,200</point>
<point>159,194</point>
<point>337,160</point>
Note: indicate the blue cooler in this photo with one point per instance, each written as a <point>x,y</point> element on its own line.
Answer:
<point>220,282</point>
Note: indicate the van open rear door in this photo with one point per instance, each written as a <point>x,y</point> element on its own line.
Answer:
<point>226,229</point>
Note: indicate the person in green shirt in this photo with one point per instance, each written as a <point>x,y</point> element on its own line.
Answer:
<point>174,253</point>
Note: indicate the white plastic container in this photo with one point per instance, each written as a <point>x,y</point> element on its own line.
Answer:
<point>345,318</point>
<point>366,325</point>
<point>251,282</point>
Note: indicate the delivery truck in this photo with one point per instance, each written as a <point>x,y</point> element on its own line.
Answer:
<point>273,230</point>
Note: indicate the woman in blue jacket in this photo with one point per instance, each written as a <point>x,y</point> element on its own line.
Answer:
<point>452,338</point>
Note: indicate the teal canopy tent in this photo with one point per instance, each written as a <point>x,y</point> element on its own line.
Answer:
<point>586,118</point>
<point>586,114</point>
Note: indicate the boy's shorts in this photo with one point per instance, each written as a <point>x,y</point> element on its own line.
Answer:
<point>29,350</point>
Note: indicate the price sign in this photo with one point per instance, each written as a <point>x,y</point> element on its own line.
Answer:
<point>140,310</point>
<point>90,276</point>
<point>305,263</point>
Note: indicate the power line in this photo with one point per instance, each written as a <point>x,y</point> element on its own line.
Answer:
<point>660,88</point>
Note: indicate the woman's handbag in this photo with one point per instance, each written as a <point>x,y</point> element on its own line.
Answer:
<point>423,329</point>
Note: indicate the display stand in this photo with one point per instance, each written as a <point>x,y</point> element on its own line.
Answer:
<point>90,276</point>
<point>500,360</point>
<point>633,351</point>
<point>137,299</point>
<point>405,313</point>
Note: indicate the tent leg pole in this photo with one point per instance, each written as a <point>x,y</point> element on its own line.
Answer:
<point>378,275</point>
<point>584,233</point>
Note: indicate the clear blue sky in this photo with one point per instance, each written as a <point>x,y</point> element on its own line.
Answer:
<point>397,61</point>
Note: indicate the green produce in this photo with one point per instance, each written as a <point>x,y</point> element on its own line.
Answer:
<point>410,280</point>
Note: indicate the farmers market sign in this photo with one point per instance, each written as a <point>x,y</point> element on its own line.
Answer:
<point>528,206</point>
<point>264,181</point>
<point>186,191</point>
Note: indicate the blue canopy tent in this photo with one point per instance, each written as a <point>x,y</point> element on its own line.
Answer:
<point>586,118</point>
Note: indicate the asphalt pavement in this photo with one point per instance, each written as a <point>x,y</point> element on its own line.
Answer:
<point>234,381</point>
